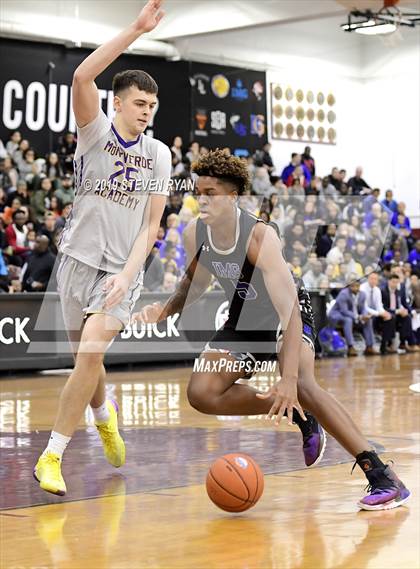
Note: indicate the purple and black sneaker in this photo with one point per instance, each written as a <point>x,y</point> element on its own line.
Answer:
<point>314,440</point>
<point>385,489</point>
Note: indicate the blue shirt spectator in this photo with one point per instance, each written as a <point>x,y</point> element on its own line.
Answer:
<point>295,162</point>
<point>389,202</point>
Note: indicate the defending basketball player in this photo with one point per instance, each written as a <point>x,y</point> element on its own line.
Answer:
<point>105,243</point>
<point>265,309</point>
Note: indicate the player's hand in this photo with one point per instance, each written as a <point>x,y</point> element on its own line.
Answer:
<point>117,287</point>
<point>285,399</point>
<point>149,314</point>
<point>150,16</point>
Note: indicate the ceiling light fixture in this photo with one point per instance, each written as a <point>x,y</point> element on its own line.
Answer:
<point>386,21</point>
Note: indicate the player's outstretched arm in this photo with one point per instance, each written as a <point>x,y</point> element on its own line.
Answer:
<point>85,92</point>
<point>191,287</point>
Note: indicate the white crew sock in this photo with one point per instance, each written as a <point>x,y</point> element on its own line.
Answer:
<point>100,414</point>
<point>57,443</point>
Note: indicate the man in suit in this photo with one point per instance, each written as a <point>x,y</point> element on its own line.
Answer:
<point>395,302</point>
<point>350,310</point>
<point>382,319</point>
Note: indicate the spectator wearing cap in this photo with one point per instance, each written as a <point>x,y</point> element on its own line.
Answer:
<point>65,191</point>
<point>39,266</point>
<point>357,183</point>
<point>389,201</point>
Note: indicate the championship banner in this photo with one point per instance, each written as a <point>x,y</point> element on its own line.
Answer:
<point>35,92</point>
<point>229,108</point>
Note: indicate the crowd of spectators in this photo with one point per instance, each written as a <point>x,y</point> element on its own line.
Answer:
<point>336,230</point>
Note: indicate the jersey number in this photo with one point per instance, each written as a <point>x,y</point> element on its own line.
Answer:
<point>126,173</point>
<point>245,290</point>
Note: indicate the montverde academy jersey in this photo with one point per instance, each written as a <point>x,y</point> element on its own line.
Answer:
<point>113,180</point>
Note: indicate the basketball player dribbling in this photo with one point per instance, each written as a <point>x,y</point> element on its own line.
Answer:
<point>112,228</point>
<point>265,306</point>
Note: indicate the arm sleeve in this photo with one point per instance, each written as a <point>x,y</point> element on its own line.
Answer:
<point>162,171</point>
<point>88,135</point>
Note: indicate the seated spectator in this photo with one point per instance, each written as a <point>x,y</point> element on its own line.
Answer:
<point>288,171</point>
<point>374,215</point>
<point>52,168</point>
<point>171,256</point>
<point>4,274</point>
<point>177,148</point>
<point>352,266</point>
<point>17,155</point>
<point>173,205</point>
<point>313,278</point>
<point>153,270</point>
<point>334,179</point>
<point>359,253</point>
<point>56,206</point>
<point>357,184</point>
<point>65,190</point>
<point>3,200</point>
<point>336,254</point>
<point>38,268</point>
<point>399,219</point>
<point>49,228</point>
<point>348,311</point>
<point>266,157</point>
<point>398,252</point>
<point>27,167</point>
<point>41,199</point>
<point>66,150</point>
<point>61,221</point>
<point>193,153</point>
<point>327,189</point>
<point>325,241</point>
<point>394,301</point>
<point>389,201</point>
<point>16,237</point>
<point>204,150</point>
<point>382,318</point>
<point>7,215</point>
<point>169,283</point>
<point>308,161</point>
<point>295,266</point>
<point>261,183</point>
<point>414,255</point>
<point>12,144</point>
<point>21,192</point>
<point>8,175</point>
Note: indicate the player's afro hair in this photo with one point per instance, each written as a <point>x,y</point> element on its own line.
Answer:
<point>219,164</point>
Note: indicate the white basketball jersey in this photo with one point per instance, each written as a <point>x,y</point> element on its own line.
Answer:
<point>114,180</point>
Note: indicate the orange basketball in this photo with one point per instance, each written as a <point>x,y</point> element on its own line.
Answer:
<point>235,482</point>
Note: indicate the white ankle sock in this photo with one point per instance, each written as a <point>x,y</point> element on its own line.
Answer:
<point>57,443</point>
<point>101,414</point>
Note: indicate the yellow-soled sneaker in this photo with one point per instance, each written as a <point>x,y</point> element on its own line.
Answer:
<point>114,447</point>
<point>47,472</point>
